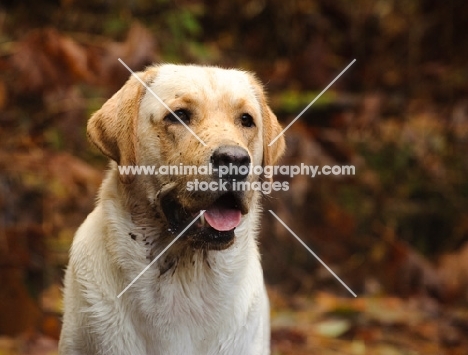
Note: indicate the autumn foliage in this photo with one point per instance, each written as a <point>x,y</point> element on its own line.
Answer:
<point>396,232</point>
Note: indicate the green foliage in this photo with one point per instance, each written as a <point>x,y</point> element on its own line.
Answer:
<point>115,26</point>
<point>179,30</point>
<point>291,101</point>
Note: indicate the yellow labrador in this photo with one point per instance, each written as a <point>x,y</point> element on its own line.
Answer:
<point>205,294</point>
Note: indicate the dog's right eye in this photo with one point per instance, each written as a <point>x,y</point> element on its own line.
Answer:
<point>183,115</point>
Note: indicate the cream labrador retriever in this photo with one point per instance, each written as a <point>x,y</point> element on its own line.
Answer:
<point>205,294</point>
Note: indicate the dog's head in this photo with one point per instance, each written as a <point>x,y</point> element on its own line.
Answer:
<point>223,126</point>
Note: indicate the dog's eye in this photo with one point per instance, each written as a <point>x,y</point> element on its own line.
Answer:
<point>247,120</point>
<point>183,115</point>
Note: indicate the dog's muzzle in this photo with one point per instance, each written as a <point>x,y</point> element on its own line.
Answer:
<point>223,209</point>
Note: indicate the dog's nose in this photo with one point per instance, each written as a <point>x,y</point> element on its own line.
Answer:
<point>231,162</point>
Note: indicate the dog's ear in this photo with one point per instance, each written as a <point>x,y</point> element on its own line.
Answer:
<point>113,127</point>
<point>271,130</point>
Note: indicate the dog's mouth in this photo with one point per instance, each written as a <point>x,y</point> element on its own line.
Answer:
<point>214,229</point>
<point>223,215</point>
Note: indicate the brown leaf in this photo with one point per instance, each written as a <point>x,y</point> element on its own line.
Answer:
<point>137,51</point>
<point>46,60</point>
<point>453,271</point>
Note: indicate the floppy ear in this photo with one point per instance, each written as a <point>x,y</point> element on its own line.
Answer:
<point>271,129</point>
<point>113,127</point>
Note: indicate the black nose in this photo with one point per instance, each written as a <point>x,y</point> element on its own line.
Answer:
<point>231,162</point>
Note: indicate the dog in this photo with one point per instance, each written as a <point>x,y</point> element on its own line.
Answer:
<point>205,294</point>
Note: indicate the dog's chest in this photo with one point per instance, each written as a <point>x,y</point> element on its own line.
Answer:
<point>187,312</point>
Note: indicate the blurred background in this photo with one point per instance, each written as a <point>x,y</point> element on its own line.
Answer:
<point>396,232</point>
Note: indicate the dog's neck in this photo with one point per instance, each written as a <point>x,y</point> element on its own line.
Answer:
<point>144,224</point>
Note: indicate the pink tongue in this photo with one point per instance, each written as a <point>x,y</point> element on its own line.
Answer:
<point>223,219</point>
